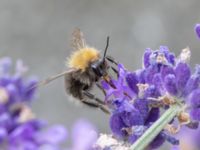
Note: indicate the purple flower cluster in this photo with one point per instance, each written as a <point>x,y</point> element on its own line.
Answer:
<point>136,99</point>
<point>19,128</point>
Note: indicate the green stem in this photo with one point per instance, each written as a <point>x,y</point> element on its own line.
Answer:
<point>156,128</point>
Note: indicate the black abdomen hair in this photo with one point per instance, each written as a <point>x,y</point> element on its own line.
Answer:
<point>76,83</point>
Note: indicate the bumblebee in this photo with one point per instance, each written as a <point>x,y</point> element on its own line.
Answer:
<point>86,68</point>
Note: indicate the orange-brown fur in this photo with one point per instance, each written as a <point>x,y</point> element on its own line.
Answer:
<point>81,58</point>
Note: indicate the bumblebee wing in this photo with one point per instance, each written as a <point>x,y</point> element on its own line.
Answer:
<point>77,39</point>
<point>52,78</point>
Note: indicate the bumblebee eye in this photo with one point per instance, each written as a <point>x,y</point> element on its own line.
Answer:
<point>97,70</point>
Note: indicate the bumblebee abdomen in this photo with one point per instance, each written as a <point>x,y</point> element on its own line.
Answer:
<point>75,84</point>
<point>81,58</point>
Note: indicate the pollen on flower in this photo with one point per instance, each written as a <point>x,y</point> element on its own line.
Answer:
<point>184,118</point>
<point>81,58</point>
<point>26,114</point>
<point>172,129</point>
<point>4,96</point>
<point>168,100</point>
<point>185,55</point>
<point>165,100</point>
<point>161,58</point>
<point>142,88</point>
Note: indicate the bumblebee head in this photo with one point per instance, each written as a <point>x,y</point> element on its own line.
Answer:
<point>100,67</point>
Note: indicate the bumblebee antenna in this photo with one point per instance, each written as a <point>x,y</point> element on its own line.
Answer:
<point>107,44</point>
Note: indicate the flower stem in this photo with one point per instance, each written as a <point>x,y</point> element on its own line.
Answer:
<point>156,128</point>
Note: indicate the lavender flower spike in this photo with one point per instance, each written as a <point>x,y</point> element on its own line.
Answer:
<point>197,30</point>
<point>19,127</point>
<point>146,105</point>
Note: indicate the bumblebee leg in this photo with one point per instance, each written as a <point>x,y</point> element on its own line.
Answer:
<point>92,96</point>
<point>97,103</point>
<point>115,71</point>
<point>112,60</point>
<point>100,87</point>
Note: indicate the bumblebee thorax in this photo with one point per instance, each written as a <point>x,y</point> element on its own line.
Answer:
<point>83,57</point>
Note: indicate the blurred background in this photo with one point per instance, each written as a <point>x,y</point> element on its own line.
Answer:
<point>39,32</point>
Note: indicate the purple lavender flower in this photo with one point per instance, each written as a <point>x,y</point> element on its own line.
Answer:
<point>19,128</point>
<point>120,85</point>
<point>84,135</point>
<point>30,136</point>
<point>197,30</point>
<point>137,98</point>
<point>189,140</point>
